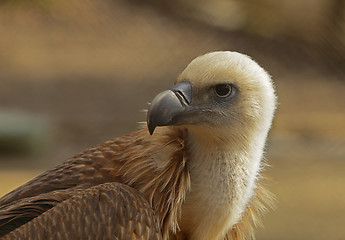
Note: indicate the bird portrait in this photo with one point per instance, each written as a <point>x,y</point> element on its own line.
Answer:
<point>194,173</point>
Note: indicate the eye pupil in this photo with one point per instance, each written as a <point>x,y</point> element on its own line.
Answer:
<point>223,90</point>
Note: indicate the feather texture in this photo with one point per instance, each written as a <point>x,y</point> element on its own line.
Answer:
<point>105,211</point>
<point>262,201</point>
<point>131,160</point>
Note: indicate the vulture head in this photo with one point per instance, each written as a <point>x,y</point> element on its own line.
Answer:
<point>220,96</point>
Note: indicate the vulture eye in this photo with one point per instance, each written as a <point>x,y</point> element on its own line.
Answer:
<point>223,90</point>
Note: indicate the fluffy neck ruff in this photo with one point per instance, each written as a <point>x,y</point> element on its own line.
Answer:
<point>157,166</point>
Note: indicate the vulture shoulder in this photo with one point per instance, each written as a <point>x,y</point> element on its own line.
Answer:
<point>157,169</point>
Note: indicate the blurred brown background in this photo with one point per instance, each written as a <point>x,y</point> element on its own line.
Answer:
<point>78,72</point>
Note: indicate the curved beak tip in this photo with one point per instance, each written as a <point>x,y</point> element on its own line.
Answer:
<point>151,129</point>
<point>163,109</point>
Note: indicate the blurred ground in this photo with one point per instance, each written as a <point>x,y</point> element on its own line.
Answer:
<point>80,73</point>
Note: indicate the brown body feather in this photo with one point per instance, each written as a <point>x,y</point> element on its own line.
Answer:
<point>105,211</point>
<point>131,160</point>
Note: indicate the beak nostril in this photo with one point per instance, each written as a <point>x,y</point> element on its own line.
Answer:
<point>184,101</point>
<point>183,91</point>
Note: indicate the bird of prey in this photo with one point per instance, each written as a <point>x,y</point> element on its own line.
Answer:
<point>194,174</point>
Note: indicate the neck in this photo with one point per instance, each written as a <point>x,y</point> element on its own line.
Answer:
<point>242,155</point>
<point>223,177</point>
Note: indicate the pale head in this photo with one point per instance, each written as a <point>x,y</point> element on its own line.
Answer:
<point>228,94</point>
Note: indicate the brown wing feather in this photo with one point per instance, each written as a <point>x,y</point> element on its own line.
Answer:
<point>87,169</point>
<point>154,165</point>
<point>106,211</point>
<point>90,166</point>
<point>23,210</point>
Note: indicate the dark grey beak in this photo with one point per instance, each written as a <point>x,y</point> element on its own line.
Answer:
<point>167,107</point>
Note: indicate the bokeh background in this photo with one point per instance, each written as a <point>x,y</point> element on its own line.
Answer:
<point>74,73</point>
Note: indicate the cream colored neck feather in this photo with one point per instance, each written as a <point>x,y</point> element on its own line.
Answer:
<point>221,188</point>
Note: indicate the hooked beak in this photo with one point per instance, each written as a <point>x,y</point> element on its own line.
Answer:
<point>168,106</point>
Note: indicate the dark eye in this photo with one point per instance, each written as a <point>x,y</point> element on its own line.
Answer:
<point>223,90</point>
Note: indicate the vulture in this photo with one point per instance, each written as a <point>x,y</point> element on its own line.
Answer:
<point>194,173</point>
